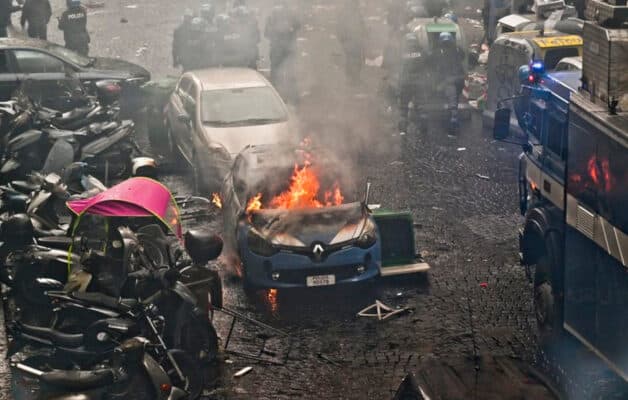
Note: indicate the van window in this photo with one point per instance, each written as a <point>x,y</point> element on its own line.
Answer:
<point>553,56</point>
<point>536,121</point>
<point>557,134</point>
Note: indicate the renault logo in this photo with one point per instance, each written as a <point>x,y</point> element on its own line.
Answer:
<point>318,250</point>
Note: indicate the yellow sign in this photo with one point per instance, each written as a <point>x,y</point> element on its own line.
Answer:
<point>558,41</point>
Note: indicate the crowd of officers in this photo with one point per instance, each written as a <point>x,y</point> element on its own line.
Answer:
<point>36,14</point>
<point>231,39</point>
<point>440,67</point>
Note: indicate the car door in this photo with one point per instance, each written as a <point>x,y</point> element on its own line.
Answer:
<point>190,139</point>
<point>176,108</point>
<point>43,74</point>
<point>8,78</point>
<point>231,201</point>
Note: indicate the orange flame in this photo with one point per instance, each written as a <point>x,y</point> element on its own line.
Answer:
<point>302,193</point>
<point>255,203</point>
<point>216,200</point>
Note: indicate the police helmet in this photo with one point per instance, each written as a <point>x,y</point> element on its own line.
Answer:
<point>239,11</point>
<point>451,16</point>
<point>17,230</point>
<point>445,37</point>
<point>196,24</point>
<point>188,14</point>
<point>207,11</point>
<point>222,20</point>
<point>73,3</point>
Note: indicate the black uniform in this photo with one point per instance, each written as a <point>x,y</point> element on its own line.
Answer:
<point>6,7</point>
<point>197,50</point>
<point>351,34</point>
<point>180,37</point>
<point>448,60</point>
<point>281,30</point>
<point>73,23</point>
<point>37,14</point>
<point>248,28</point>
<point>412,87</point>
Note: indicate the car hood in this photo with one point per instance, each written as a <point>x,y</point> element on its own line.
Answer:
<point>124,67</point>
<point>236,138</point>
<point>302,228</point>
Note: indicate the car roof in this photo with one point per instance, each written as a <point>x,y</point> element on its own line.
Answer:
<point>6,43</point>
<point>227,78</point>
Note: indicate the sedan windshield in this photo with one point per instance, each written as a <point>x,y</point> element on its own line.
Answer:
<point>68,55</point>
<point>242,106</point>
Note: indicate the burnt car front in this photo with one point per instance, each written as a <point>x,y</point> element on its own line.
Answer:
<point>296,248</point>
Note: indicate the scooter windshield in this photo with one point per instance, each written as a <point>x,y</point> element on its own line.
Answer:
<point>61,155</point>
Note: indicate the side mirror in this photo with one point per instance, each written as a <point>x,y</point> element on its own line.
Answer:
<point>472,58</point>
<point>501,127</point>
<point>202,246</point>
<point>184,119</point>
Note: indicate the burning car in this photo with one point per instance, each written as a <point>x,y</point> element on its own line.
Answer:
<point>289,223</point>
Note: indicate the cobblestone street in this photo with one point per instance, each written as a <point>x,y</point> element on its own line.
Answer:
<point>471,331</point>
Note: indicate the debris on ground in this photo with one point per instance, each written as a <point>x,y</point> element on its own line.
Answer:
<point>382,311</point>
<point>461,148</point>
<point>94,4</point>
<point>243,372</point>
<point>486,178</point>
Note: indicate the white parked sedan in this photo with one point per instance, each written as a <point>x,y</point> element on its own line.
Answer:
<point>214,113</point>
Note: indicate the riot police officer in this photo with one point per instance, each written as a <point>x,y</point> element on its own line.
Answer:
<point>73,23</point>
<point>412,80</point>
<point>195,53</point>
<point>351,34</point>
<point>281,30</point>
<point>6,7</point>
<point>180,37</point>
<point>37,14</point>
<point>449,65</point>
<point>245,23</point>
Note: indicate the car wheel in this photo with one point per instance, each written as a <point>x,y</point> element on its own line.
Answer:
<point>547,306</point>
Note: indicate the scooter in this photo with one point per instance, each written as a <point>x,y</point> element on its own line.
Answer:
<point>132,373</point>
<point>150,316</point>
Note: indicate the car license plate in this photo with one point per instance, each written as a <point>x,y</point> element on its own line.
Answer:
<point>321,280</point>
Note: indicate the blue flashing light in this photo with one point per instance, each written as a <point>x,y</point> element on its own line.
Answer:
<point>537,67</point>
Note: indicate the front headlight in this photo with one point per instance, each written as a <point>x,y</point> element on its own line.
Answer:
<point>368,236</point>
<point>260,246</point>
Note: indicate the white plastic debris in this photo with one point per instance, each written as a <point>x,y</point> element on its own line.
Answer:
<point>243,372</point>
<point>461,148</point>
<point>382,311</point>
<point>486,178</point>
<point>375,62</point>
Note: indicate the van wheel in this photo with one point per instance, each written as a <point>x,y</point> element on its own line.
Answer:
<point>547,305</point>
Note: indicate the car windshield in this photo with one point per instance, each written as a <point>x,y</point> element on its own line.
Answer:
<point>69,55</point>
<point>242,106</point>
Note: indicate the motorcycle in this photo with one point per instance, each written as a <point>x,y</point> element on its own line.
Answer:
<point>131,373</point>
<point>169,317</point>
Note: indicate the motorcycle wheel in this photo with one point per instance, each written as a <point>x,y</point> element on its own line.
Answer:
<point>196,336</point>
<point>193,382</point>
<point>139,387</point>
